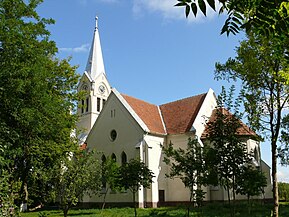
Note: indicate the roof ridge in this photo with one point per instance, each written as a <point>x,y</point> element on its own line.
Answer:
<point>162,119</point>
<point>183,99</point>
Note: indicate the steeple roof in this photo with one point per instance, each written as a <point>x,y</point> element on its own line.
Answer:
<point>95,65</point>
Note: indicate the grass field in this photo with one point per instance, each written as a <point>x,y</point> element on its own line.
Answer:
<point>210,210</point>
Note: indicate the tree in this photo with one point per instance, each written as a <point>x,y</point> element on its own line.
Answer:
<point>110,177</point>
<point>189,166</point>
<point>251,182</point>
<point>283,189</point>
<point>78,174</point>
<point>262,68</point>
<point>134,175</point>
<point>283,149</point>
<point>226,152</point>
<point>37,96</point>
<point>267,17</point>
<point>8,195</point>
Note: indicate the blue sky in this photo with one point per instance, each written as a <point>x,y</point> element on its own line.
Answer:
<point>150,50</point>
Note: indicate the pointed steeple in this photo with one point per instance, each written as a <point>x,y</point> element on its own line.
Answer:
<point>95,65</point>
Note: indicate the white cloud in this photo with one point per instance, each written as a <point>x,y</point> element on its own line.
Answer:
<point>82,48</point>
<point>283,174</point>
<point>167,10</point>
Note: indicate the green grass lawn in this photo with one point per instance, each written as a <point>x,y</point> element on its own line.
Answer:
<point>210,210</point>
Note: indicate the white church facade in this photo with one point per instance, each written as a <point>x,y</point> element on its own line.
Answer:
<point>123,127</point>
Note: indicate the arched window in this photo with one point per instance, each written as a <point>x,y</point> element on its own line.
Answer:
<point>103,160</point>
<point>123,158</point>
<point>256,155</point>
<point>113,157</point>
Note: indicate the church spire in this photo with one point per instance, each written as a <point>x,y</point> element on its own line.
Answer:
<point>95,65</point>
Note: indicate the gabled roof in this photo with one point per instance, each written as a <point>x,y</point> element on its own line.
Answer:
<point>179,115</point>
<point>243,130</point>
<point>171,118</point>
<point>148,113</point>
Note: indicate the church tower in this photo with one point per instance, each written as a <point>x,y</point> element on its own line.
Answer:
<point>95,87</point>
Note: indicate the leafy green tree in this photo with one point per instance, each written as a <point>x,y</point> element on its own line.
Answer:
<point>134,175</point>
<point>37,95</point>
<point>283,149</point>
<point>283,189</point>
<point>189,166</point>
<point>268,17</point>
<point>251,182</point>
<point>226,152</point>
<point>262,68</point>
<point>110,177</point>
<point>8,195</point>
<point>78,174</point>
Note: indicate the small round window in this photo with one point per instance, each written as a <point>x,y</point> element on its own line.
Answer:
<point>113,135</point>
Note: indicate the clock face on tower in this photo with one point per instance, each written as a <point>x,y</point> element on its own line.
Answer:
<point>101,89</point>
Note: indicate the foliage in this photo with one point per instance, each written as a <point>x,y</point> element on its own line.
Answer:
<point>75,176</point>
<point>251,182</point>
<point>283,149</point>
<point>37,94</point>
<point>227,152</point>
<point>134,175</point>
<point>8,194</point>
<point>189,166</point>
<point>262,67</point>
<point>110,177</point>
<point>266,16</point>
<point>283,189</point>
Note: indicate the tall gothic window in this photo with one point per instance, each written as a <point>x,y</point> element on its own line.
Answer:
<point>98,104</point>
<point>82,106</point>
<point>123,158</point>
<point>87,104</point>
<point>113,157</point>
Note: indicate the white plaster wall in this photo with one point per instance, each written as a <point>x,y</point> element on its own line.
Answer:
<point>128,135</point>
<point>205,112</point>
<point>154,162</point>
<point>174,188</point>
<point>267,172</point>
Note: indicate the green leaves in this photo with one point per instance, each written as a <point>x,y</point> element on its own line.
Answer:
<point>202,6</point>
<point>37,94</point>
<point>188,165</point>
<point>135,174</point>
<point>194,5</point>
<point>77,174</point>
<point>265,16</point>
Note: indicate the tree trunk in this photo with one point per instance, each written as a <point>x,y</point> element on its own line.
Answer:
<point>65,212</point>
<point>274,180</point>
<point>249,205</point>
<point>134,204</point>
<point>229,199</point>
<point>191,196</point>
<point>234,196</point>
<point>23,207</point>
<point>104,197</point>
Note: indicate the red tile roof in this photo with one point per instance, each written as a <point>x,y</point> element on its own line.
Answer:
<point>149,113</point>
<point>244,130</point>
<point>179,115</point>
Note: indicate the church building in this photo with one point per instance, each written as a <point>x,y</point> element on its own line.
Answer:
<point>123,127</point>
